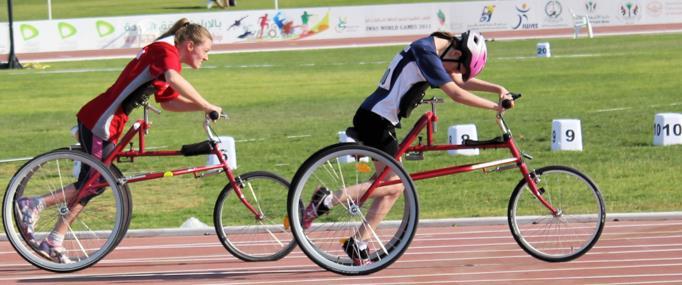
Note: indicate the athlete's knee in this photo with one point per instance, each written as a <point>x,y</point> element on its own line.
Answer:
<point>395,191</point>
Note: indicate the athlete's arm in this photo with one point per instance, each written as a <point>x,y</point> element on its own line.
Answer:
<point>474,84</point>
<point>463,96</point>
<point>189,99</point>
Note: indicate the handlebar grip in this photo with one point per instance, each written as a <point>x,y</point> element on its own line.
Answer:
<point>213,115</point>
<point>515,95</point>
<point>508,104</point>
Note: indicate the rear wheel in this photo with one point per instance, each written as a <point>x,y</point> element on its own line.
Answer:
<point>96,228</point>
<point>564,236</point>
<point>242,233</point>
<point>348,170</point>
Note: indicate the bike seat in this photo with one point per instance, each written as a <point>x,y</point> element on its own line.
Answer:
<point>497,140</point>
<point>353,134</point>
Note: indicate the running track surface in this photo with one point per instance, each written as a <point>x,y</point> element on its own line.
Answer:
<point>628,252</point>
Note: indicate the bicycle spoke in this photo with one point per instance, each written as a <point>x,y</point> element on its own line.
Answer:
<point>61,182</point>
<point>274,237</point>
<point>255,198</point>
<point>366,225</point>
<point>75,237</point>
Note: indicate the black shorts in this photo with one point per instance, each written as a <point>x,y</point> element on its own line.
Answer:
<point>375,131</point>
<point>96,147</point>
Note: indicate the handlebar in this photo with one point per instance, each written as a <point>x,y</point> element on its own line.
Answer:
<point>210,117</point>
<point>213,115</point>
<point>433,100</point>
<point>508,104</point>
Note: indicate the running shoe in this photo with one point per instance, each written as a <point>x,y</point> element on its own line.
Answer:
<point>357,251</point>
<point>29,213</point>
<point>54,253</point>
<point>316,207</point>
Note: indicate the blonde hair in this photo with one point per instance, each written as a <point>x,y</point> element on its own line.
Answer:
<point>184,30</point>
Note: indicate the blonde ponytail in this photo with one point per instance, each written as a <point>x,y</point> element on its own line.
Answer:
<point>184,30</point>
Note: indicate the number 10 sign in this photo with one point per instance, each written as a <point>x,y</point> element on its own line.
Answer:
<point>667,129</point>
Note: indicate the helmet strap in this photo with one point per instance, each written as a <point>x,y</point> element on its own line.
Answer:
<point>450,47</point>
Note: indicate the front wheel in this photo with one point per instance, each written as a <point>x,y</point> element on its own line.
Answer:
<point>244,234</point>
<point>385,223</point>
<point>573,230</point>
<point>41,191</point>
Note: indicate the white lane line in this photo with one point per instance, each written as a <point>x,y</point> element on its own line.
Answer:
<point>419,238</point>
<point>522,280</point>
<point>678,281</point>
<point>204,271</point>
<point>516,254</point>
<point>269,65</point>
<point>220,271</point>
<point>16,159</point>
<point>582,55</point>
<point>241,66</point>
<point>298,136</point>
<point>610,110</point>
<point>413,277</point>
<point>279,269</point>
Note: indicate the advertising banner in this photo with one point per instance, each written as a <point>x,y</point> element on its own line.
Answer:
<point>338,22</point>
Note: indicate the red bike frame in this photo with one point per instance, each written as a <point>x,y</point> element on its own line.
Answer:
<point>140,128</point>
<point>427,121</point>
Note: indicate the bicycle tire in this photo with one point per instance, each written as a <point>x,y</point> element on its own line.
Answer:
<point>563,237</point>
<point>125,191</point>
<point>95,231</point>
<point>261,239</point>
<point>322,241</point>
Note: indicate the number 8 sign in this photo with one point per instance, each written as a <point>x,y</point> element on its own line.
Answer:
<point>457,134</point>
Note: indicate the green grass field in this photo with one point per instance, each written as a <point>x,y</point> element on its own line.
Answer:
<point>286,105</point>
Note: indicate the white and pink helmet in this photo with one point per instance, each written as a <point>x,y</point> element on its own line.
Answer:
<point>474,52</point>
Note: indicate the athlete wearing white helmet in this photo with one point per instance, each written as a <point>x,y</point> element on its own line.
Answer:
<point>439,60</point>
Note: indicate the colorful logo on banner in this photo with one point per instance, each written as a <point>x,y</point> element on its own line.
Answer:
<point>104,28</point>
<point>317,28</point>
<point>487,14</point>
<point>441,17</point>
<point>654,8</point>
<point>590,6</point>
<point>629,11</point>
<point>66,30</point>
<point>553,9</point>
<point>341,24</point>
<point>280,26</point>
<point>28,32</point>
<point>524,22</point>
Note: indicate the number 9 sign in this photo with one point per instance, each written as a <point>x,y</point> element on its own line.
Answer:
<point>566,135</point>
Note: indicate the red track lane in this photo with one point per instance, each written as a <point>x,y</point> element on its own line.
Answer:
<point>644,252</point>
